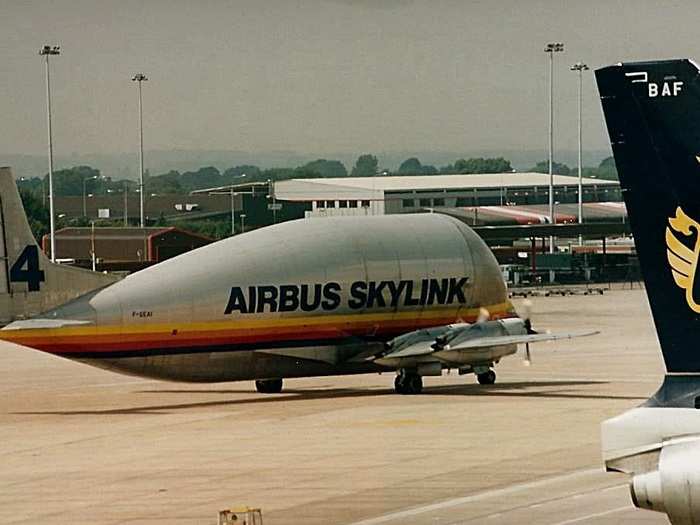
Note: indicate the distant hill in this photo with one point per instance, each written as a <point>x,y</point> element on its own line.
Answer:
<point>125,165</point>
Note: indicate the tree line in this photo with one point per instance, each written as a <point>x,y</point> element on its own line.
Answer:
<point>74,181</point>
<point>86,179</point>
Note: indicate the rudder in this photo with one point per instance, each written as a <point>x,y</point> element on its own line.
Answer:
<point>29,282</point>
<point>652,111</point>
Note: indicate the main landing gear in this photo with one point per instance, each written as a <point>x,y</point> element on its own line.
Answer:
<point>269,386</point>
<point>486,378</point>
<point>408,383</point>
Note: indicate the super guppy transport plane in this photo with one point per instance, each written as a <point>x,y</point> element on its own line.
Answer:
<point>347,295</point>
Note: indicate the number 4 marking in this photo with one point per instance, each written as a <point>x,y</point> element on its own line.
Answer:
<point>26,269</point>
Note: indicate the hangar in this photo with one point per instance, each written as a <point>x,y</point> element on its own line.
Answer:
<point>122,249</point>
<point>405,194</point>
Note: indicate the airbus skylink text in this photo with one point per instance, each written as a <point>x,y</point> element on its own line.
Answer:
<point>362,294</point>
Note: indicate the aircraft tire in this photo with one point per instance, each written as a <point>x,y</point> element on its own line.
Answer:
<point>408,384</point>
<point>269,386</point>
<point>415,384</point>
<point>487,378</point>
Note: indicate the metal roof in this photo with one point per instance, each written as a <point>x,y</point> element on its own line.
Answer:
<point>537,213</point>
<point>300,189</point>
<point>118,233</point>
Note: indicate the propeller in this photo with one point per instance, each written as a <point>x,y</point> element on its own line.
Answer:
<point>483,316</point>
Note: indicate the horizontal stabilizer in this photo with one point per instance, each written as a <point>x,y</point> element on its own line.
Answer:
<point>37,323</point>
<point>486,342</point>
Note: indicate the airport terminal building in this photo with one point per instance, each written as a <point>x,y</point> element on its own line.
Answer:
<point>405,194</point>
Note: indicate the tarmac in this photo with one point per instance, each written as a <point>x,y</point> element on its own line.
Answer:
<point>81,445</point>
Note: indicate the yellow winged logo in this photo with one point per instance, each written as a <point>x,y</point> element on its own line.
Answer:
<point>683,260</point>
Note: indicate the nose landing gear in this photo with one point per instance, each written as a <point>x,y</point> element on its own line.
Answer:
<point>408,383</point>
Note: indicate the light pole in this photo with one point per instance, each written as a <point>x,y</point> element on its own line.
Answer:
<point>126,204</point>
<point>551,48</point>
<point>46,52</point>
<point>233,206</point>
<point>139,78</point>
<point>85,179</point>
<point>579,67</point>
<point>271,195</point>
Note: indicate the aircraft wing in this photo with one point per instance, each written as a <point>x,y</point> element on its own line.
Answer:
<point>485,342</point>
<point>414,350</point>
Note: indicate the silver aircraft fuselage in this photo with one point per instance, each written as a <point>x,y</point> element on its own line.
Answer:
<point>303,298</point>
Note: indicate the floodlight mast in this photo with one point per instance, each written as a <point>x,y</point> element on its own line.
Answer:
<point>551,48</point>
<point>579,67</point>
<point>46,52</point>
<point>139,78</point>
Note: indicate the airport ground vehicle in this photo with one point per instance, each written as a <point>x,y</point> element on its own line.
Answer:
<point>240,516</point>
<point>652,110</point>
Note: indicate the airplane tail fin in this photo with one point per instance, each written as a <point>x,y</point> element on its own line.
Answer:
<point>652,111</point>
<point>29,282</point>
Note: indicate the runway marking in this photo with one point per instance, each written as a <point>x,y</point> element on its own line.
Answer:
<point>556,500</point>
<point>596,515</point>
<point>476,497</point>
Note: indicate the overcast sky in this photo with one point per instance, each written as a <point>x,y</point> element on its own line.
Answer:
<point>319,76</point>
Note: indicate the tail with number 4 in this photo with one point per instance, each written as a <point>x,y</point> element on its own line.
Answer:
<point>29,282</point>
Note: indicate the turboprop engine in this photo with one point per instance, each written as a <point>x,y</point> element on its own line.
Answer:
<point>674,488</point>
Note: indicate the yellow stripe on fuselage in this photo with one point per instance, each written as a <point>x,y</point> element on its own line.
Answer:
<point>241,323</point>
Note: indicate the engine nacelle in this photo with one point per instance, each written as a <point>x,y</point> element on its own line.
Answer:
<point>675,487</point>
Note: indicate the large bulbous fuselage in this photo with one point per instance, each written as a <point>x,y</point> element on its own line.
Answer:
<point>302,298</point>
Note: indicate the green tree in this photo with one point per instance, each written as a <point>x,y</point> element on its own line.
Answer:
<point>478,165</point>
<point>365,166</point>
<point>206,177</point>
<point>326,168</point>
<point>165,183</point>
<point>607,169</point>
<point>37,214</point>
<point>70,181</point>
<point>233,175</point>
<point>413,166</point>
<point>557,168</point>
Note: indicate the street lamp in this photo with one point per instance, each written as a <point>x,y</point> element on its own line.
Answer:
<point>85,179</point>
<point>271,195</point>
<point>125,191</point>
<point>551,48</point>
<point>233,206</point>
<point>46,52</point>
<point>126,204</point>
<point>579,67</point>
<point>138,78</point>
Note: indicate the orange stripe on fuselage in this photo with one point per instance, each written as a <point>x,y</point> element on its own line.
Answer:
<point>76,339</point>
